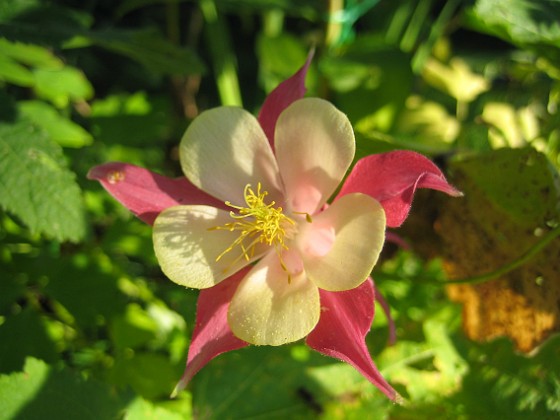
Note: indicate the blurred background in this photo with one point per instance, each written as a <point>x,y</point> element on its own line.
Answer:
<point>91,328</point>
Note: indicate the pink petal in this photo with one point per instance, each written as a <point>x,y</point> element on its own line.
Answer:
<point>346,318</point>
<point>288,91</point>
<point>212,335</point>
<point>146,193</point>
<point>392,178</point>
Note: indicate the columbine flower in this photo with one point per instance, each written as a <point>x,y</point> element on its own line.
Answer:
<point>276,218</point>
<point>250,225</point>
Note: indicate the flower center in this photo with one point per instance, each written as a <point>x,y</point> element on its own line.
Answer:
<point>259,223</point>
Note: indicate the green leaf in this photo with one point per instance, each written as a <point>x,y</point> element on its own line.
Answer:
<point>13,72</point>
<point>60,129</point>
<point>501,383</point>
<point>42,392</point>
<point>36,185</point>
<point>136,120</point>
<point>62,86</point>
<point>381,78</point>
<point>49,25</point>
<point>149,374</point>
<point>521,22</point>
<point>311,9</point>
<point>83,286</point>
<point>134,328</point>
<point>260,382</point>
<point>11,8</point>
<point>150,49</point>
<point>31,55</point>
<point>521,184</point>
<point>502,238</point>
<point>141,409</point>
<point>280,58</point>
<point>16,56</point>
<point>24,335</point>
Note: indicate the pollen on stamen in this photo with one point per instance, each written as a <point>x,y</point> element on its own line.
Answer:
<point>258,222</point>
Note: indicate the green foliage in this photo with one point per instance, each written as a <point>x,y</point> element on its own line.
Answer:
<point>90,327</point>
<point>41,391</point>
<point>36,185</point>
<point>521,22</point>
<point>150,49</point>
<point>61,130</point>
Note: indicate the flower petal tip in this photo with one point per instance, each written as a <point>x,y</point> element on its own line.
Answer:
<point>456,193</point>
<point>105,172</point>
<point>398,399</point>
<point>182,384</point>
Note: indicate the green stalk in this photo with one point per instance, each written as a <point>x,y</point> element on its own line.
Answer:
<point>436,32</point>
<point>223,60</point>
<point>334,26</point>
<point>410,37</point>
<point>273,22</point>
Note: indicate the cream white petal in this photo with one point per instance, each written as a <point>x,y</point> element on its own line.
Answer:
<point>267,309</point>
<point>187,247</point>
<point>342,244</point>
<point>223,150</point>
<point>314,145</point>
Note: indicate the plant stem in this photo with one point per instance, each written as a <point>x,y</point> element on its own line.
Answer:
<point>223,59</point>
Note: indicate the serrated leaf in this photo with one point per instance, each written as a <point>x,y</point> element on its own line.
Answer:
<point>29,54</point>
<point>11,8</point>
<point>44,24</point>
<point>149,374</point>
<point>13,72</point>
<point>42,392</point>
<point>280,58</point>
<point>85,289</point>
<point>133,328</point>
<point>522,22</point>
<point>142,409</point>
<point>259,382</point>
<point>15,56</point>
<point>28,330</point>
<point>136,120</point>
<point>60,129</point>
<point>62,86</point>
<point>36,185</point>
<point>150,49</point>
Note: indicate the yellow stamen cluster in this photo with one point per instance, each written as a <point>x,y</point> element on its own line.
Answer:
<point>259,222</point>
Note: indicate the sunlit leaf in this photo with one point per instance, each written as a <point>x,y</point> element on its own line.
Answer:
<point>13,72</point>
<point>82,286</point>
<point>141,409</point>
<point>149,374</point>
<point>280,58</point>
<point>258,382</point>
<point>30,55</point>
<point>522,22</point>
<point>35,184</point>
<point>60,129</point>
<point>511,203</point>
<point>41,391</point>
<point>135,119</point>
<point>62,86</point>
<point>134,328</point>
